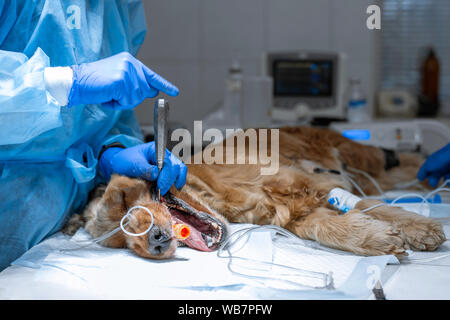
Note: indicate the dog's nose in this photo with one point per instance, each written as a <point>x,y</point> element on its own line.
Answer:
<point>158,241</point>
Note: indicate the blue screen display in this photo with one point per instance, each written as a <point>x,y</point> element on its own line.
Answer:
<point>298,77</point>
<point>357,134</point>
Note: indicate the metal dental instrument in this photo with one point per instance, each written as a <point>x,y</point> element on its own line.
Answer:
<point>160,115</point>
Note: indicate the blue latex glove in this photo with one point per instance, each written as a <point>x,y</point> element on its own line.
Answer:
<point>119,82</point>
<point>436,166</point>
<point>140,162</point>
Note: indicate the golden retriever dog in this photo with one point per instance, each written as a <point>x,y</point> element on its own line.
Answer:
<point>312,161</point>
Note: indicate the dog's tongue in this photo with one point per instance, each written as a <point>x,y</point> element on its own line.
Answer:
<point>195,239</point>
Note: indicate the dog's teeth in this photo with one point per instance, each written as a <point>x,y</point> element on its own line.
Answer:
<point>210,241</point>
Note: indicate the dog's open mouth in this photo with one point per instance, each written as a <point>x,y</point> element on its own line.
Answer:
<point>207,233</point>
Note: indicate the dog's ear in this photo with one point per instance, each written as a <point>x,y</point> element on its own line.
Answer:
<point>124,192</point>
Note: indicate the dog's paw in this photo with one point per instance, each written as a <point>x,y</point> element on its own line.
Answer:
<point>387,240</point>
<point>372,237</point>
<point>419,233</point>
<point>423,234</point>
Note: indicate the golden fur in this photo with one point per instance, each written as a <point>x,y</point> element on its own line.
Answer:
<point>295,198</point>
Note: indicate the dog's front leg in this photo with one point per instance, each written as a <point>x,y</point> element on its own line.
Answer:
<point>355,232</point>
<point>420,233</point>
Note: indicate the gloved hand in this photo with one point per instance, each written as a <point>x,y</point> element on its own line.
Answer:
<point>436,166</point>
<point>119,82</point>
<point>140,162</point>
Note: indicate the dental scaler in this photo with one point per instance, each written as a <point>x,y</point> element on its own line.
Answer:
<point>160,116</point>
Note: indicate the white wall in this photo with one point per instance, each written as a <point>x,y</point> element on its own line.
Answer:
<point>192,43</point>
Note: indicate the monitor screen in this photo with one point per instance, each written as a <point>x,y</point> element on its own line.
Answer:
<point>303,78</point>
<point>357,134</point>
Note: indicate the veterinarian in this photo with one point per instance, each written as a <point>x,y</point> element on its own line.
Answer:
<point>436,167</point>
<point>68,86</point>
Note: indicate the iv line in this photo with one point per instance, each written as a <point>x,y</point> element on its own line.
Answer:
<point>327,278</point>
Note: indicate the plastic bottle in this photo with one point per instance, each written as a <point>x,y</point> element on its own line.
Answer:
<point>228,116</point>
<point>357,108</point>
<point>429,97</point>
<point>233,94</point>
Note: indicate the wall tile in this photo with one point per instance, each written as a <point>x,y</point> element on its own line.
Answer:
<point>349,32</point>
<point>173,29</point>
<point>298,24</point>
<point>232,28</point>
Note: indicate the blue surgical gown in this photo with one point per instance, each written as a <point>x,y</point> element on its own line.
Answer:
<point>48,153</point>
